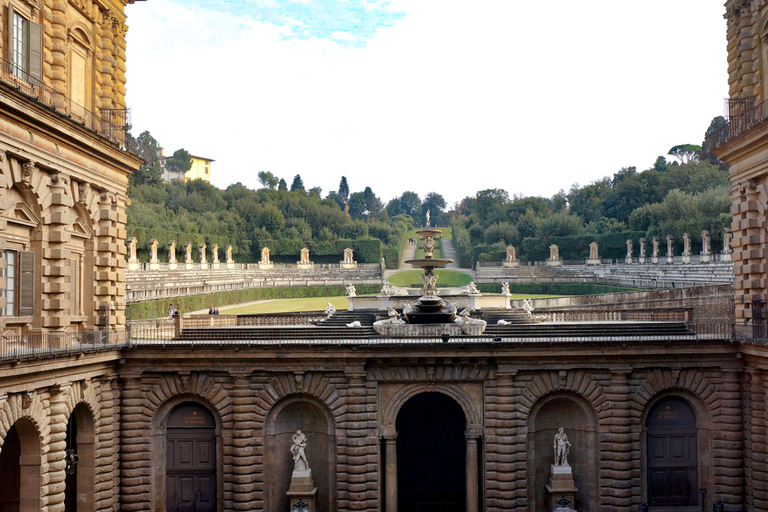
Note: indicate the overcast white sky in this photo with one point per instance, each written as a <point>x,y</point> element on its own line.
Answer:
<point>426,95</point>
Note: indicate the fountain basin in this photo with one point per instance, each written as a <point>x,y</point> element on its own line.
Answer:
<point>429,262</point>
<point>428,330</point>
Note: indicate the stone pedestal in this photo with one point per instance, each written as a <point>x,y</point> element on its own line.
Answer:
<point>305,266</point>
<point>654,259</point>
<point>554,263</point>
<point>593,262</point>
<point>474,300</point>
<point>263,266</point>
<point>509,264</point>
<point>727,257</point>
<point>301,494</point>
<point>561,488</point>
<point>348,265</point>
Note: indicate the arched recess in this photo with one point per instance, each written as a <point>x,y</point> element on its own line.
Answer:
<point>81,439</point>
<point>703,438</point>
<point>306,413</point>
<point>159,455</point>
<point>575,414</point>
<point>431,454</point>
<point>468,396</point>
<point>20,458</point>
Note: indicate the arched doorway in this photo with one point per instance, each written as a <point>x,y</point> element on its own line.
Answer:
<point>673,454</point>
<point>20,468</point>
<point>190,471</point>
<point>79,481</point>
<point>431,455</point>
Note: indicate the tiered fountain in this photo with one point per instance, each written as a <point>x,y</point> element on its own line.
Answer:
<point>429,315</point>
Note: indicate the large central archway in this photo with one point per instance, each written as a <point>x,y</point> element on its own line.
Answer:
<point>431,455</point>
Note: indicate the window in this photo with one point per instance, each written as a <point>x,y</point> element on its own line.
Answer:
<point>19,289</point>
<point>25,46</point>
<point>11,280</point>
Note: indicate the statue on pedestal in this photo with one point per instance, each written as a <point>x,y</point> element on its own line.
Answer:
<point>561,447</point>
<point>298,451</point>
<point>561,489</point>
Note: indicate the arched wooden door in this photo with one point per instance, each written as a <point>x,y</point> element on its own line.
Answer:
<point>673,454</point>
<point>190,472</point>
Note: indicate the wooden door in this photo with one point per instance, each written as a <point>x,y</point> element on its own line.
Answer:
<point>673,467</point>
<point>190,473</point>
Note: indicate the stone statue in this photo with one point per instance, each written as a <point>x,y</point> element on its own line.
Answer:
<point>132,258</point>
<point>528,306</point>
<point>153,251</point>
<point>393,317</point>
<point>686,244</point>
<point>505,288</point>
<point>471,289</point>
<point>727,241</point>
<point>554,253</point>
<point>265,256</point>
<point>351,291</point>
<point>705,243</point>
<point>203,258</point>
<point>511,254</point>
<point>215,253</point>
<point>655,244</point>
<point>428,217</point>
<point>629,249</point>
<point>305,256</point>
<point>229,254</point>
<point>407,309</point>
<point>593,251</point>
<point>561,447</point>
<point>348,256</point>
<point>387,289</point>
<point>188,253</point>
<point>172,252</point>
<point>330,310</point>
<point>298,451</point>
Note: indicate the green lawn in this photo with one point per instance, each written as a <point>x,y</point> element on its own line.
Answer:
<point>445,278</point>
<point>288,305</point>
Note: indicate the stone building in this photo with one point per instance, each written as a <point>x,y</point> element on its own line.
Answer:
<point>194,414</point>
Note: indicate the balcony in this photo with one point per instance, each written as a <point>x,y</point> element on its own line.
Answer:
<point>742,115</point>
<point>110,124</point>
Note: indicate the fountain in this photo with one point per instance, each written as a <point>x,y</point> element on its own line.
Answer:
<point>430,315</point>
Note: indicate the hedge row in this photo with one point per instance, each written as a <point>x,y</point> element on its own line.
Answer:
<point>463,246</point>
<point>613,245</point>
<point>159,308</point>
<point>556,289</point>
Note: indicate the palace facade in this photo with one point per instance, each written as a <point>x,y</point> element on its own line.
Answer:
<point>664,406</point>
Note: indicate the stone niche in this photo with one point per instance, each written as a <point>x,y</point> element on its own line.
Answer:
<point>580,423</point>
<point>298,412</point>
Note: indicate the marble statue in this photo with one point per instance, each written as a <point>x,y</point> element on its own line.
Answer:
<point>471,289</point>
<point>203,259</point>
<point>561,447</point>
<point>629,249</point>
<point>132,258</point>
<point>351,291</point>
<point>188,253</point>
<point>387,289</point>
<point>215,254</point>
<point>670,249</point>
<point>265,256</point>
<point>686,244</point>
<point>356,323</point>
<point>705,243</point>
<point>727,241</point>
<point>305,256</point>
<point>429,282</point>
<point>348,256</point>
<point>593,251</point>
<point>655,244</point>
<point>428,217</point>
<point>330,310</point>
<point>501,321</point>
<point>505,288</point>
<point>528,307</point>
<point>392,317</point>
<point>229,255</point>
<point>298,448</point>
<point>172,252</point>
<point>511,254</point>
<point>153,251</point>
<point>407,309</point>
<point>451,308</point>
<point>554,253</point>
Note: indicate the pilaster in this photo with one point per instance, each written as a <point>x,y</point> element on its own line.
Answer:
<point>56,269</point>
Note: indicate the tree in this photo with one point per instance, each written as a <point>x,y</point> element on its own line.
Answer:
<point>316,191</point>
<point>344,189</point>
<point>282,185</point>
<point>268,180</point>
<point>410,203</point>
<point>180,162</point>
<point>433,202</point>
<point>297,183</point>
<point>145,146</point>
<point>686,152</point>
<point>485,200</point>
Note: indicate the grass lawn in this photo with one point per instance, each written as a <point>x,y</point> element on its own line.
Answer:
<point>287,305</point>
<point>446,278</point>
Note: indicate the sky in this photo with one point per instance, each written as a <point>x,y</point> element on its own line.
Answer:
<point>426,95</point>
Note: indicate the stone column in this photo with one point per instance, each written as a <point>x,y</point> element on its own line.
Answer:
<point>56,269</point>
<point>109,274</point>
<point>106,71</point>
<point>119,84</point>
<point>244,465</point>
<point>641,256</point>
<point>390,442</point>
<point>57,444</point>
<point>628,259</point>
<point>705,252</point>
<point>59,50</point>
<point>616,446</point>
<point>655,255</point>
<point>472,475</point>
<point>686,248</point>
<point>107,485</point>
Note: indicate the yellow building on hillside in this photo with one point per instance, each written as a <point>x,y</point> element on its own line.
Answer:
<point>200,170</point>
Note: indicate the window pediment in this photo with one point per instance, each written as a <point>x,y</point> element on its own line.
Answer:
<point>81,229</point>
<point>21,213</point>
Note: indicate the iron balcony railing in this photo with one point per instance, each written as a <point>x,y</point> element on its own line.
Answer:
<point>54,344</point>
<point>742,114</point>
<point>109,123</point>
